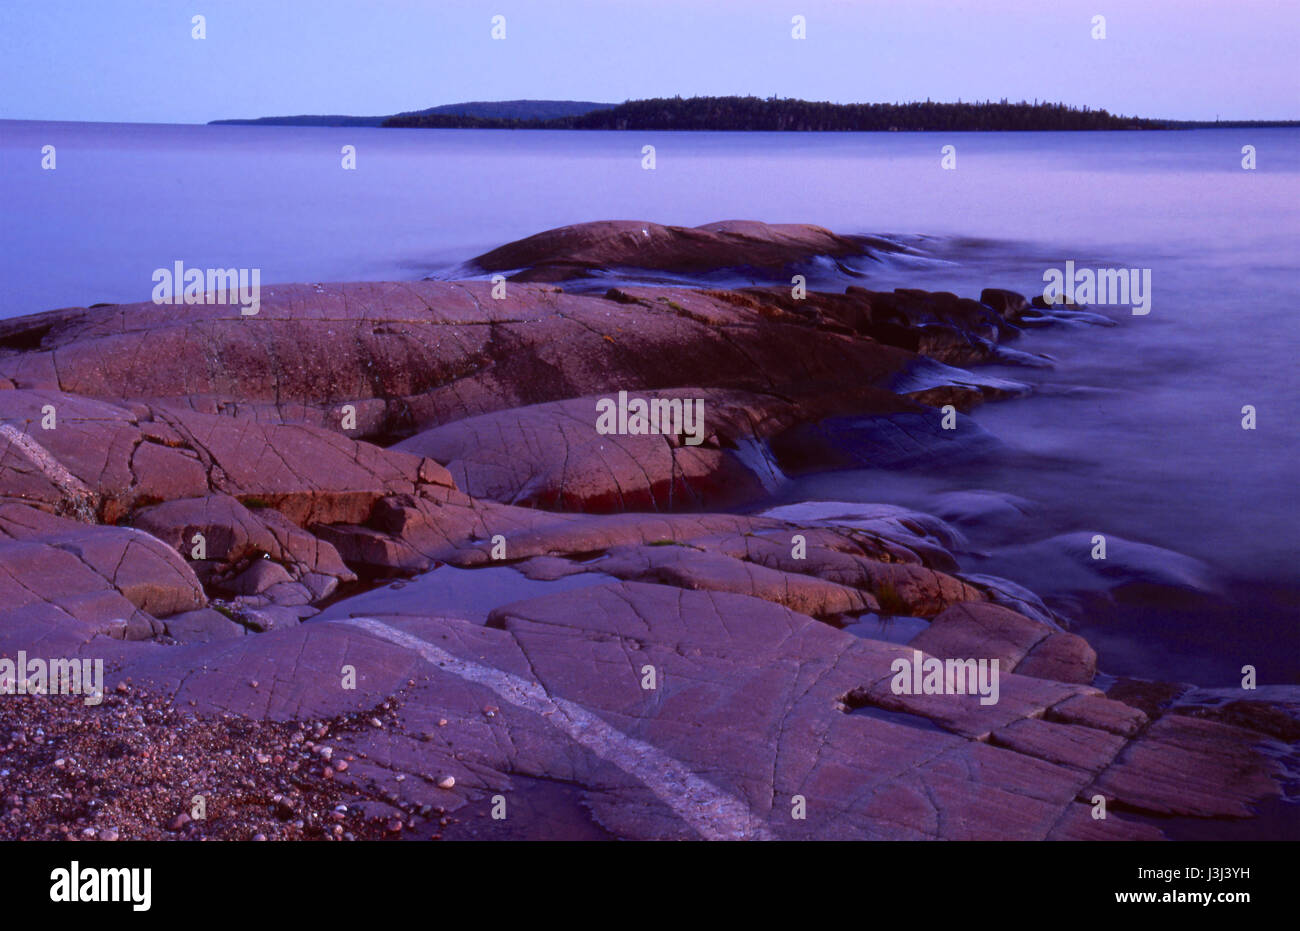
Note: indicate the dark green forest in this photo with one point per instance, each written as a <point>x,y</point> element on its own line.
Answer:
<point>773,114</point>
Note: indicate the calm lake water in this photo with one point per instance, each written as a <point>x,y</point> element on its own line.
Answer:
<point>1135,433</point>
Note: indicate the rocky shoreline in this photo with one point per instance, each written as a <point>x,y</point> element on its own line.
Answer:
<point>392,495</point>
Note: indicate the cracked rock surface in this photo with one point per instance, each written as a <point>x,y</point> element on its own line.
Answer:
<point>393,495</point>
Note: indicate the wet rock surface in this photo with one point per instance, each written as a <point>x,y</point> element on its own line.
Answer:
<point>371,540</point>
<point>586,249</point>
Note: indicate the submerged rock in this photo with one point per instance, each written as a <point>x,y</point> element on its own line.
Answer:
<point>1076,563</point>
<point>892,441</point>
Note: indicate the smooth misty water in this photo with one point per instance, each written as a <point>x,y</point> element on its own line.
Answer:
<point>1135,433</point>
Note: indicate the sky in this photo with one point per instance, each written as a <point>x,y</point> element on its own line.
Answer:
<point>137,61</point>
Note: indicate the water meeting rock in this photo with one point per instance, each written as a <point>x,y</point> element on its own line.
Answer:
<point>183,489</point>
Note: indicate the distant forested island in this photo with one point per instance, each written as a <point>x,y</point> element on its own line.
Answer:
<point>757,114</point>
<point>504,110</point>
<point>774,114</point>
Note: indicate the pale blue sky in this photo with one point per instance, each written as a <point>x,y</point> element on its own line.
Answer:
<point>134,60</point>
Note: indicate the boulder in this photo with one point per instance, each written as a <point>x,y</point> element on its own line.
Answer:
<point>586,248</point>
<point>64,580</point>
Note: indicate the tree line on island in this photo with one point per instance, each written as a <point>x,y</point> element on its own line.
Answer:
<point>775,114</point>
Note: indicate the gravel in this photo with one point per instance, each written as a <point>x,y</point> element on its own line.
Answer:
<point>130,768</point>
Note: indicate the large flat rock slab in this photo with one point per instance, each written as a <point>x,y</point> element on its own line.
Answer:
<point>419,354</point>
<point>747,712</point>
